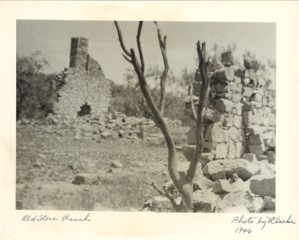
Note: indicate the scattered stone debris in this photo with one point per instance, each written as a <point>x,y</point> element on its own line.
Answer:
<point>106,127</point>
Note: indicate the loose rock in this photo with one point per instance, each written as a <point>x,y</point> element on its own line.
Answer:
<point>87,179</point>
<point>243,168</point>
<point>161,204</point>
<point>204,201</point>
<point>263,186</point>
<point>116,164</point>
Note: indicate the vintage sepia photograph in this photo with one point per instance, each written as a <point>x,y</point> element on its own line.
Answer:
<point>146,116</point>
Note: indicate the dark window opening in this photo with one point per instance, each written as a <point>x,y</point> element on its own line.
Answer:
<point>85,109</point>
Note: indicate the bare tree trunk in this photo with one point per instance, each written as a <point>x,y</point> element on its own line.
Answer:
<point>183,183</point>
<point>203,67</point>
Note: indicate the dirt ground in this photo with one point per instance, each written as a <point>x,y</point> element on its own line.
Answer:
<point>47,164</point>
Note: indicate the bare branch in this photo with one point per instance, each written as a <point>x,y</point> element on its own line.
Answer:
<point>139,46</point>
<point>136,66</point>
<point>199,53</point>
<point>163,77</point>
<point>191,101</point>
<point>127,59</point>
<point>146,108</point>
<point>121,39</point>
<point>156,188</point>
<point>162,43</point>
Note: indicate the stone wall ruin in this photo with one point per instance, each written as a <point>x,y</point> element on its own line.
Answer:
<point>237,166</point>
<point>83,88</point>
<point>239,115</point>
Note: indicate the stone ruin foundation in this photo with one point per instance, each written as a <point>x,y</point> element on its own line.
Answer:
<point>83,88</point>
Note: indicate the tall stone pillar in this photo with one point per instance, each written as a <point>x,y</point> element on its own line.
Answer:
<point>79,52</point>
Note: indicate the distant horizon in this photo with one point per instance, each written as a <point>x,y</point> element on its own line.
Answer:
<point>53,38</point>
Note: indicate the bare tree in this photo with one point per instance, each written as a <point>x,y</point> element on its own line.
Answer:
<point>183,183</point>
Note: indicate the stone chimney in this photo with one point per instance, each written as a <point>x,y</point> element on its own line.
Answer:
<point>79,53</point>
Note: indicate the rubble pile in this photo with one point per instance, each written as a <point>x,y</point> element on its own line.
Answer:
<point>108,126</point>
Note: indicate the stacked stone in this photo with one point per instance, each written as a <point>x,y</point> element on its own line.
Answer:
<point>82,84</point>
<point>258,112</point>
<point>81,88</point>
<point>225,97</point>
<point>78,56</point>
<point>239,116</point>
<point>92,65</point>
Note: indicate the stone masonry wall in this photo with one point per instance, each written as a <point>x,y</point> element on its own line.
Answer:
<point>83,83</point>
<point>239,116</point>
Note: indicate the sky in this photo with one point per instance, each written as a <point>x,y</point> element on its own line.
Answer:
<point>53,39</point>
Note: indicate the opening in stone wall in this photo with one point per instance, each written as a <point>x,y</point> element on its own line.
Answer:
<point>85,109</point>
